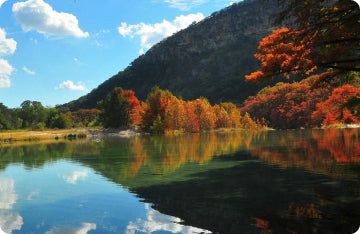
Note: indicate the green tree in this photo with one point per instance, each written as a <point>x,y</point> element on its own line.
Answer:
<point>59,120</point>
<point>9,118</point>
<point>115,110</point>
<point>32,113</point>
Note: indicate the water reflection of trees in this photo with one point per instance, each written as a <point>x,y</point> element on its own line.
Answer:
<point>120,159</point>
<point>320,151</point>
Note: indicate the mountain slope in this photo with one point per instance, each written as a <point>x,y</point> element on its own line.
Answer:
<point>209,58</point>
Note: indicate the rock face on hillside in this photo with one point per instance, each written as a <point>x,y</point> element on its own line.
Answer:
<point>208,59</point>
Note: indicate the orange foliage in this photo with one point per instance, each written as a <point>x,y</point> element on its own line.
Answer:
<point>175,114</point>
<point>332,110</point>
<point>343,144</point>
<point>174,151</point>
<point>280,55</point>
<point>84,116</point>
<point>163,112</point>
<point>286,105</point>
<point>320,150</point>
<point>156,104</point>
<point>205,113</point>
<point>326,35</point>
<point>133,105</point>
<point>308,211</point>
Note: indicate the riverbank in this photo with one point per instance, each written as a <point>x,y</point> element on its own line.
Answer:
<point>102,133</point>
<point>30,136</point>
<point>8,137</point>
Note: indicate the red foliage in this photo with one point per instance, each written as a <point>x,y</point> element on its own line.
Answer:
<point>133,105</point>
<point>326,35</point>
<point>332,110</point>
<point>343,144</point>
<point>285,105</point>
<point>280,55</point>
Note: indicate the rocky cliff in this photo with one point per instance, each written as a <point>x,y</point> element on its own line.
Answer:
<point>209,58</point>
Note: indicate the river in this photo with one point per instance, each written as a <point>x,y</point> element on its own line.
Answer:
<point>293,181</point>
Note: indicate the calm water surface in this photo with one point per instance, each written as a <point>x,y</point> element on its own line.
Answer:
<point>303,181</point>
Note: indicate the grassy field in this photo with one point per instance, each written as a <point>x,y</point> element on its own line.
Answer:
<point>8,137</point>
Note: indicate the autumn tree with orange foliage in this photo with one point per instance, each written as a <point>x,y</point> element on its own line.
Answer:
<point>133,105</point>
<point>163,112</point>
<point>326,36</point>
<point>286,105</point>
<point>333,109</point>
<point>154,109</point>
<point>175,114</point>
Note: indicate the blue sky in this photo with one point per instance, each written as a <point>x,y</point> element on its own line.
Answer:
<point>55,51</point>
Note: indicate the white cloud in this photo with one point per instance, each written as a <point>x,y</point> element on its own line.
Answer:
<point>184,5</point>
<point>2,1</point>
<point>10,222</point>
<point>40,16</point>
<point>7,46</point>
<point>5,71</point>
<point>157,221</point>
<point>8,196</point>
<point>28,71</point>
<point>75,176</point>
<point>150,34</point>
<point>84,229</point>
<point>69,85</point>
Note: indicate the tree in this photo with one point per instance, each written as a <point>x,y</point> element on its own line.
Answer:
<point>333,109</point>
<point>286,105</point>
<point>325,38</point>
<point>133,105</point>
<point>9,118</point>
<point>175,114</point>
<point>84,117</point>
<point>155,107</point>
<point>115,110</point>
<point>59,120</point>
<point>32,113</point>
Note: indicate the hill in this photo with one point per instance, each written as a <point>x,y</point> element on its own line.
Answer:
<point>209,58</point>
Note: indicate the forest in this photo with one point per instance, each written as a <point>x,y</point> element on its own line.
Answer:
<point>322,47</point>
<point>161,112</point>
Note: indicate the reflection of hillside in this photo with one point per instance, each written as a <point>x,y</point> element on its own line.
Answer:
<point>250,196</point>
<point>320,151</point>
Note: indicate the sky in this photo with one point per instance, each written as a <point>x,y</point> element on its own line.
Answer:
<point>55,51</point>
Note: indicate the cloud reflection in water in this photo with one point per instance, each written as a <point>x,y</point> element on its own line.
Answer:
<point>75,176</point>
<point>84,229</point>
<point>157,221</point>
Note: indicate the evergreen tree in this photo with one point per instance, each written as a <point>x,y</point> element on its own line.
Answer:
<point>115,110</point>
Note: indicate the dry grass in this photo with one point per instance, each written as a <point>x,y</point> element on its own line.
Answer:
<point>9,137</point>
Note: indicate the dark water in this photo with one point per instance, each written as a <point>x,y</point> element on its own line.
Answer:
<point>303,181</point>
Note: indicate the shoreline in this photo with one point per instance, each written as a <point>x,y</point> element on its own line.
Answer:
<point>57,135</point>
